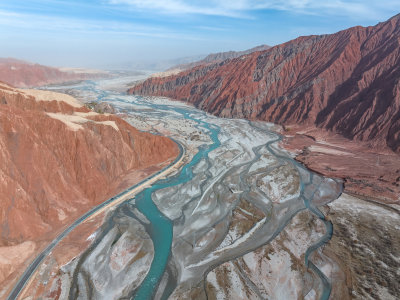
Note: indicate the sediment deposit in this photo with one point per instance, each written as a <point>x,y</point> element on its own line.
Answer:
<point>247,221</point>
<point>236,202</point>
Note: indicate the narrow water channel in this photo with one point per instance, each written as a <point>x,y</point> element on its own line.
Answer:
<point>160,227</point>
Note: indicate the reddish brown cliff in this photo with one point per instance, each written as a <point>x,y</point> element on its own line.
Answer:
<point>347,82</point>
<point>23,74</point>
<point>58,159</point>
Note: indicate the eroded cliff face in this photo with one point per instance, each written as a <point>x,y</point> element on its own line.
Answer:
<point>347,82</point>
<point>57,160</point>
<point>24,74</point>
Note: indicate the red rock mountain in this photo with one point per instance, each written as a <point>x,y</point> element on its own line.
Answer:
<point>219,57</point>
<point>57,160</point>
<point>347,82</point>
<point>24,74</point>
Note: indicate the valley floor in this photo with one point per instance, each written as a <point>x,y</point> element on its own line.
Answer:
<point>249,224</point>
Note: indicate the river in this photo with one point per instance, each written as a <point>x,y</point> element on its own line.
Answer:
<point>235,172</point>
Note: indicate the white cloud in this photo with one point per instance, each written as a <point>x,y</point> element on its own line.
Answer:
<point>44,23</point>
<point>368,9</point>
<point>180,7</point>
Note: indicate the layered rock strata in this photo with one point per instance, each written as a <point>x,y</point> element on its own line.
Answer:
<point>347,82</point>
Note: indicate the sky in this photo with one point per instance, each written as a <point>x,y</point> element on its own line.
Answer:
<point>125,33</point>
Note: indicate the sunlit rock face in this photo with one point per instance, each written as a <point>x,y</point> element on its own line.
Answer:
<point>346,82</point>
<point>57,160</point>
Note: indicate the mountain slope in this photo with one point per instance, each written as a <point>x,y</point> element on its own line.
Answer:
<point>57,160</point>
<point>24,74</point>
<point>347,82</point>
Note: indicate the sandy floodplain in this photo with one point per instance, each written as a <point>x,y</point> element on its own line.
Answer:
<point>249,209</point>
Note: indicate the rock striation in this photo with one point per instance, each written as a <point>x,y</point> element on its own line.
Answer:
<point>24,74</point>
<point>57,160</point>
<point>347,82</point>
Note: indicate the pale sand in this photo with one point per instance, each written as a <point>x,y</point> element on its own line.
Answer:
<point>88,114</point>
<point>11,257</point>
<point>82,71</point>
<point>74,121</point>
<point>166,73</point>
<point>51,96</point>
<point>327,150</point>
<point>42,95</point>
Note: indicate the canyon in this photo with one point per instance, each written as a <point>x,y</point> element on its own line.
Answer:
<point>235,192</point>
<point>238,219</point>
<point>59,159</point>
<point>221,203</point>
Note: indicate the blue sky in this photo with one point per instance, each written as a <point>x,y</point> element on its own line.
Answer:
<point>101,33</point>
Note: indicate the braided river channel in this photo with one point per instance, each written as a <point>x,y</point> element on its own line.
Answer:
<point>240,219</point>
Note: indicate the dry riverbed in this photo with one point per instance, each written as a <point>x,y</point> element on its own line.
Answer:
<point>242,225</point>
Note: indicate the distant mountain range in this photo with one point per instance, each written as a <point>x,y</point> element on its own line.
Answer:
<point>219,57</point>
<point>155,65</point>
<point>182,63</point>
<point>347,82</point>
<point>25,74</point>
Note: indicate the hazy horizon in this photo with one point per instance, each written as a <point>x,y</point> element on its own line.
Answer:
<point>114,33</point>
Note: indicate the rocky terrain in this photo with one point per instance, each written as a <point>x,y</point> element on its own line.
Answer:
<point>363,251</point>
<point>236,205</point>
<point>347,82</point>
<point>272,271</point>
<point>24,74</point>
<point>57,160</point>
<point>335,156</point>
<point>246,226</point>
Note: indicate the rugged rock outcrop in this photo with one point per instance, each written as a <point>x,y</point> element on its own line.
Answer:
<point>24,74</point>
<point>58,159</point>
<point>347,82</point>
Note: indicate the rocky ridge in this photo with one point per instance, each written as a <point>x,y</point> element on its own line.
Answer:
<point>347,82</point>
